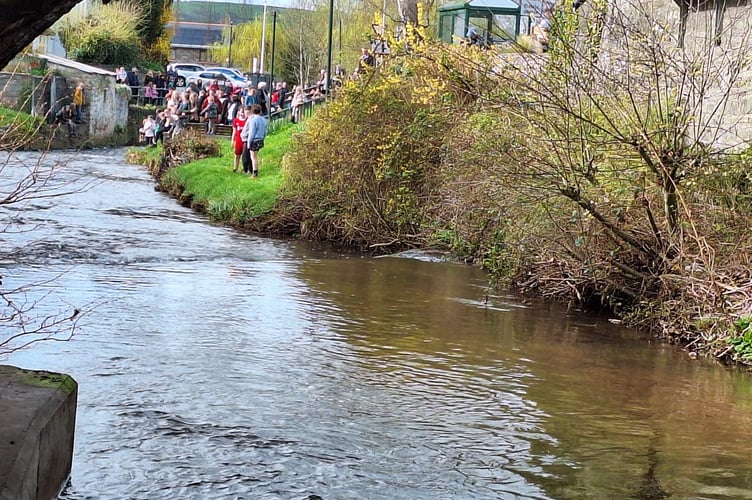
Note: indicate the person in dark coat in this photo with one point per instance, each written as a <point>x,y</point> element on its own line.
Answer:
<point>133,81</point>
<point>65,117</point>
<point>161,88</point>
<point>261,97</point>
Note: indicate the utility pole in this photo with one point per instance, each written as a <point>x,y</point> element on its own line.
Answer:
<point>329,50</point>
<point>229,51</point>
<point>271,68</point>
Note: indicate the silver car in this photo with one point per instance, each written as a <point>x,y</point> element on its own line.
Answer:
<point>186,71</point>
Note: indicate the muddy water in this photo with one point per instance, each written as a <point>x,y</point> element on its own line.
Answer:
<point>222,365</point>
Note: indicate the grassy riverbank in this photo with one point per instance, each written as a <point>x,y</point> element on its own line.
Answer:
<point>209,184</point>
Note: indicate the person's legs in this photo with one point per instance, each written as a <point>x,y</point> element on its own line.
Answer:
<point>236,162</point>
<point>246,159</point>
<point>79,110</point>
<point>255,163</point>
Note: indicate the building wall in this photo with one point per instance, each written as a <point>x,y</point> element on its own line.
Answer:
<point>731,62</point>
<point>724,54</point>
<point>26,92</point>
<point>106,102</point>
<point>178,54</point>
<point>48,44</point>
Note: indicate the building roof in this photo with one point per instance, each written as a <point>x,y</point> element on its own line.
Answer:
<point>484,4</point>
<point>196,35</point>
<point>68,63</point>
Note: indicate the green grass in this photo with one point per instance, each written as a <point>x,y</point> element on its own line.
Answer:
<point>235,197</point>
<point>22,124</point>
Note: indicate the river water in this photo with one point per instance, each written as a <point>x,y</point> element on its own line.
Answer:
<point>221,365</point>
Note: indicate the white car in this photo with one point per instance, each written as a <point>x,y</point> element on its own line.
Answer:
<point>186,71</point>
<point>237,78</point>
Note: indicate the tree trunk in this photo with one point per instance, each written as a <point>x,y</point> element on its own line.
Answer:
<point>670,204</point>
<point>410,12</point>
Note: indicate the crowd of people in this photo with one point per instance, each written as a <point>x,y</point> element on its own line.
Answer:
<point>220,103</point>
<point>214,106</point>
<point>211,102</point>
<point>154,84</point>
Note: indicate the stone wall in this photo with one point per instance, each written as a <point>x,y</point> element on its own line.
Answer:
<point>27,92</point>
<point>723,89</point>
<point>37,424</point>
<point>731,62</point>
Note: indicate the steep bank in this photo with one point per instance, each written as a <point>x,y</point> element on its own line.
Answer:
<point>430,152</point>
<point>555,186</point>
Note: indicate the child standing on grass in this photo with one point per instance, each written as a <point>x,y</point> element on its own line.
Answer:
<point>150,130</point>
<point>237,142</point>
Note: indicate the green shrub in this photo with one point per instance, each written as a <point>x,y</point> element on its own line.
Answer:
<point>101,48</point>
<point>108,36</point>
<point>743,342</point>
<point>365,170</point>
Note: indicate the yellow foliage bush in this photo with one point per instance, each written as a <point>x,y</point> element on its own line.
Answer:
<point>364,170</point>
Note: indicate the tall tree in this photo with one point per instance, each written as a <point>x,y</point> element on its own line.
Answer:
<point>151,27</point>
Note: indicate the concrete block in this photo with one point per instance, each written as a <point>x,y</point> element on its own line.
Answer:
<point>37,424</point>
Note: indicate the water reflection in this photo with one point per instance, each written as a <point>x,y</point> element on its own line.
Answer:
<point>221,365</point>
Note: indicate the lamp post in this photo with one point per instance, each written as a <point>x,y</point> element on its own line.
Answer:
<point>274,40</point>
<point>329,49</point>
<point>271,68</point>
<point>229,52</point>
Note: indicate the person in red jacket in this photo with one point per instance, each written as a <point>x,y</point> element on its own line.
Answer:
<point>237,142</point>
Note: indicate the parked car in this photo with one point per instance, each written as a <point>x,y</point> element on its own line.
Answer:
<point>232,75</point>
<point>231,72</point>
<point>223,80</point>
<point>186,71</point>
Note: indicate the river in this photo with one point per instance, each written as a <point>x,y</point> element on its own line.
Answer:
<point>221,365</point>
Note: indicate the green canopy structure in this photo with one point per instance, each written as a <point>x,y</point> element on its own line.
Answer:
<point>496,21</point>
